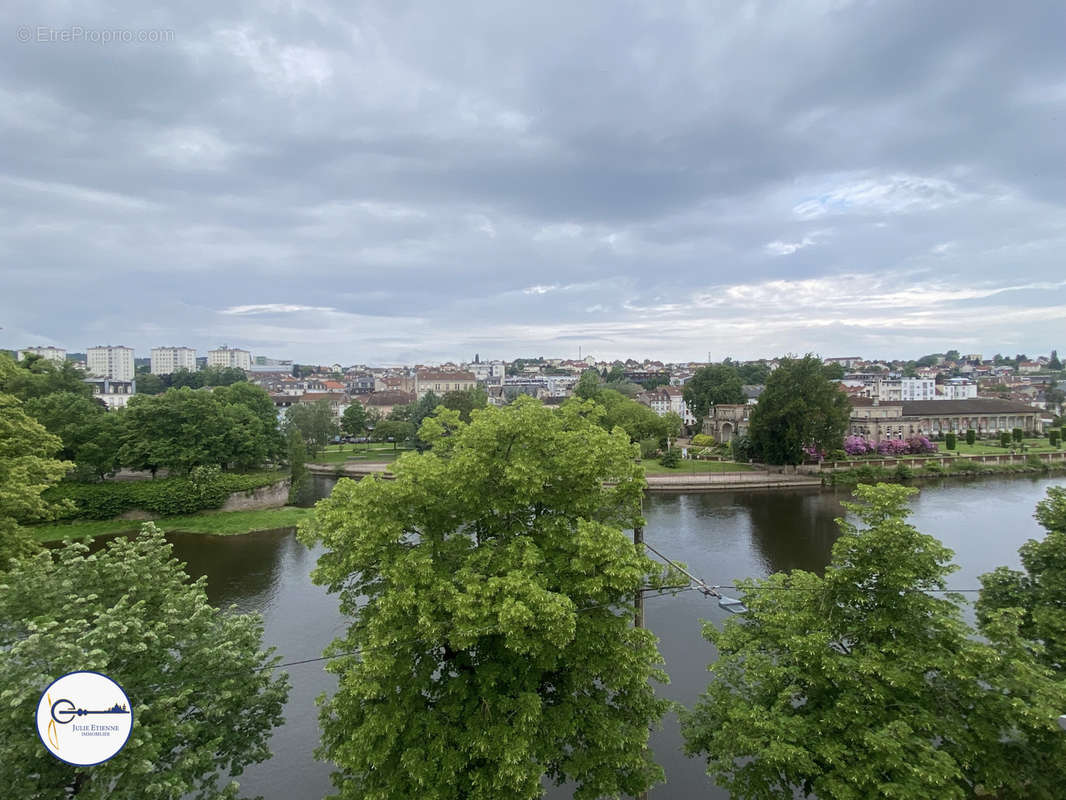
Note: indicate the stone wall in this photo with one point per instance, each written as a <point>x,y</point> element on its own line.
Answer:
<point>274,496</point>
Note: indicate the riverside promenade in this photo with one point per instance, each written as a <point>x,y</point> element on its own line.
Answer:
<point>680,482</point>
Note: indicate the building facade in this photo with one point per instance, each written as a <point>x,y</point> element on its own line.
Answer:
<point>113,393</point>
<point>229,357</point>
<point>112,362</point>
<point>57,354</point>
<point>664,399</point>
<point>876,421</point>
<point>727,421</point>
<point>957,389</point>
<point>166,360</point>
<point>443,382</point>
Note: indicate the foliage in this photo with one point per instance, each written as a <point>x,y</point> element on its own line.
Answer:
<point>971,436</point>
<point>950,441</point>
<point>671,458</point>
<point>164,496</point>
<point>1054,364</point>
<point>710,386</point>
<point>27,468</point>
<point>649,447</point>
<point>465,401</point>
<point>799,407</point>
<point>209,376</point>
<point>1040,590</point>
<point>1016,434</point>
<point>1004,439</point>
<point>315,422</point>
<point>754,373</point>
<point>703,440</point>
<point>299,478</point>
<point>91,435</point>
<point>588,385</point>
<point>858,446</point>
<point>147,383</point>
<point>868,683</point>
<point>741,448</point>
<point>258,401</point>
<point>35,376</point>
<point>1054,437</point>
<point>182,429</point>
<point>353,420</point>
<point>491,588</point>
<point>204,700</point>
<point>672,424</point>
<point>395,430</point>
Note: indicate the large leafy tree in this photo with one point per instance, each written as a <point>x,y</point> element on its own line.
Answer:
<point>354,419</point>
<point>36,377</point>
<point>710,386</point>
<point>799,408</point>
<point>256,400</point>
<point>868,683</point>
<point>204,700</point>
<point>27,467</point>
<point>90,434</point>
<point>465,401</point>
<point>491,588</point>
<point>315,421</point>
<point>1040,590</point>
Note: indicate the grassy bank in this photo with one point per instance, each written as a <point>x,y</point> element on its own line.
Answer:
<point>961,468</point>
<point>217,522</point>
<point>344,453</point>
<point>691,466</point>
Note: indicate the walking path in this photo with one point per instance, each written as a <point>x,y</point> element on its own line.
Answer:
<point>681,482</point>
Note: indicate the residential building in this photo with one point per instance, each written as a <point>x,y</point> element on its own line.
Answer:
<point>956,389</point>
<point>847,362</point>
<point>664,399</point>
<point>166,360</point>
<point>112,392</point>
<point>443,382</point>
<point>57,354</point>
<point>384,402</point>
<point>1029,367</point>
<point>113,362</point>
<point>875,420</point>
<point>229,357</point>
<point>486,371</point>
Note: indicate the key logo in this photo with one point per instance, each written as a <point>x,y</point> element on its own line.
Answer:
<point>84,718</point>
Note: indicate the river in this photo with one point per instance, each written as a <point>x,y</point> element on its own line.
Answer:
<point>722,536</point>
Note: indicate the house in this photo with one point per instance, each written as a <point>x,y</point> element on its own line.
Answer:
<point>385,402</point>
<point>664,399</point>
<point>442,382</point>
<point>112,392</point>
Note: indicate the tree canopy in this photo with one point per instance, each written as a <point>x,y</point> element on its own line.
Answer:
<point>35,376</point>
<point>868,683</point>
<point>491,588</point>
<point>799,408</point>
<point>27,467</point>
<point>710,386</point>
<point>204,700</point>
<point>315,421</point>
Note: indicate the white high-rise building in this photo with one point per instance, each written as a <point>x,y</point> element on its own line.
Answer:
<point>57,354</point>
<point>229,357</point>
<point>114,362</point>
<point>166,360</point>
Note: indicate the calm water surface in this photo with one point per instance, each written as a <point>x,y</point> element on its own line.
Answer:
<point>722,537</point>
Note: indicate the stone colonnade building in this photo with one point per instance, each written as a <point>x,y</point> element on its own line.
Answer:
<point>900,420</point>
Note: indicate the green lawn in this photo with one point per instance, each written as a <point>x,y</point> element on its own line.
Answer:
<point>218,522</point>
<point>340,454</point>
<point>987,447</point>
<point>691,466</point>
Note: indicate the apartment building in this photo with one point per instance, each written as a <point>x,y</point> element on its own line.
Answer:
<point>440,382</point>
<point>166,360</point>
<point>57,354</point>
<point>229,357</point>
<point>114,362</point>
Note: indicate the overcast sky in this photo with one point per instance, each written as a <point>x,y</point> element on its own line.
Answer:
<point>397,182</point>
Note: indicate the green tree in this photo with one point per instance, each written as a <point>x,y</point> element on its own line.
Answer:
<point>834,371</point>
<point>27,468</point>
<point>754,372</point>
<point>712,385</point>
<point>316,423</point>
<point>588,385</point>
<point>465,401</point>
<point>299,478</point>
<point>395,430</point>
<point>147,383</point>
<point>353,420</point>
<point>636,419</point>
<point>37,377</point>
<point>203,696</point>
<point>800,407</point>
<point>673,424</point>
<point>950,441</point>
<point>1040,590</point>
<point>491,588</point>
<point>90,434</point>
<point>868,683</point>
<point>1053,363</point>
<point>257,400</point>
<point>971,436</point>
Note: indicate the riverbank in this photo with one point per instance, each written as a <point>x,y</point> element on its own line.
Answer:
<point>902,473</point>
<point>224,523</point>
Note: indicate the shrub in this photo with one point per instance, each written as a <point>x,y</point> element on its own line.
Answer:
<point>165,497</point>
<point>949,441</point>
<point>971,436</point>
<point>892,447</point>
<point>1053,437</point>
<point>857,446</point>
<point>919,445</point>
<point>1004,439</point>
<point>703,440</point>
<point>649,447</point>
<point>671,458</point>
<point>934,469</point>
<point>1038,462</point>
<point>1016,434</point>
<point>903,472</point>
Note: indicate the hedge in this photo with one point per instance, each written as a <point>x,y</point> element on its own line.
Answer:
<point>166,497</point>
